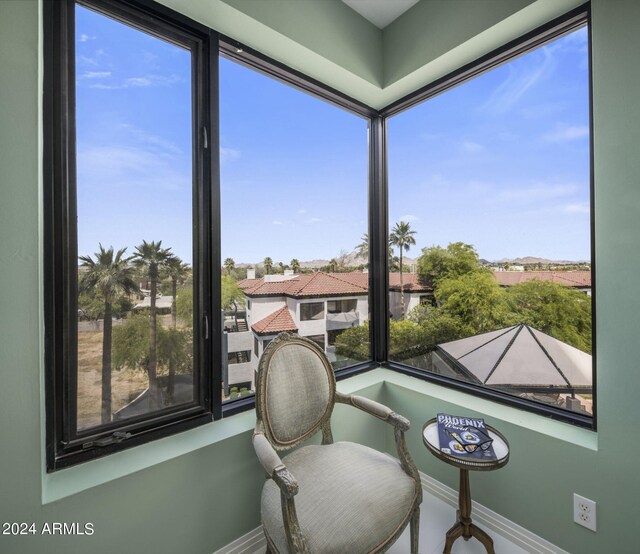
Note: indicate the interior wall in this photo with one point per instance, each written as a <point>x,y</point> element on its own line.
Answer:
<point>209,497</point>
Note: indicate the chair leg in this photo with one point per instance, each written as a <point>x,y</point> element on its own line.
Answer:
<point>415,530</point>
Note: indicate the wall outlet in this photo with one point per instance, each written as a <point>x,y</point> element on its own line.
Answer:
<point>584,512</point>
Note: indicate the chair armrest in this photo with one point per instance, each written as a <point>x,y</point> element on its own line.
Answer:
<point>274,467</point>
<point>375,409</point>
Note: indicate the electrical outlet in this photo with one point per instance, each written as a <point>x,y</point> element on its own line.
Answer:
<point>584,512</point>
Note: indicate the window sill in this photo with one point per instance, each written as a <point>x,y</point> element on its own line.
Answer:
<point>528,421</point>
<point>66,482</point>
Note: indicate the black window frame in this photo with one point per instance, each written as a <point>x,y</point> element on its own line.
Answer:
<point>59,173</point>
<point>558,27</point>
<point>65,444</point>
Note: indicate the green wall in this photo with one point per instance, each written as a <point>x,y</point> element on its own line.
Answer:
<point>199,501</point>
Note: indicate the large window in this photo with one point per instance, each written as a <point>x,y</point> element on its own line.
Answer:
<point>294,186</point>
<point>195,207</point>
<point>127,227</point>
<point>490,226</point>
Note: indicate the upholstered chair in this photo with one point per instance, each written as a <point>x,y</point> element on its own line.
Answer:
<point>333,498</point>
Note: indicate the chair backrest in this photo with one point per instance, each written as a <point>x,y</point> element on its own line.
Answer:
<point>295,390</point>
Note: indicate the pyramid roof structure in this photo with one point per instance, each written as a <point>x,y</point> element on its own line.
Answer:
<point>520,356</point>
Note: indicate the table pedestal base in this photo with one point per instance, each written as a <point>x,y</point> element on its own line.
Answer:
<point>463,527</point>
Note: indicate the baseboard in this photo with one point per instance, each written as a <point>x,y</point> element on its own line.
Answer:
<point>255,543</point>
<point>488,518</point>
<point>252,542</point>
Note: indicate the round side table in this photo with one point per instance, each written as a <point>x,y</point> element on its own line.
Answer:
<point>464,527</point>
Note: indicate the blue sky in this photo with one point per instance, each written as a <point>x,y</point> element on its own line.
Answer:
<point>500,162</point>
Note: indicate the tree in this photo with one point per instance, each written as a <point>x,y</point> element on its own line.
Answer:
<point>178,272</point>
<point>268,265</point>
<point>295,265</point>
<point>229,265</point>
<point>363,248</point>
<point>476,300</point>
<point>150,259</point>
<point>402,237</point>
<point>457,259</point>
<point>406,340</point>
<point>111,277</point>
<point>232,295</point>
<point>439,325</point>
<point>354,342</point>
<point>184,305</point>
<point>554,309</point>
<point>131,346</point>
<point>333,265</point>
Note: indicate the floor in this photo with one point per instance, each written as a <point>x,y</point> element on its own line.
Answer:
<point>436,517</point>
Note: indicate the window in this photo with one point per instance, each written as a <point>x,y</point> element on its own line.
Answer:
<point>341,306</point>
<point>179,234</point>
<point>490,212</point>
<point>294,201</point>
<point>127,229</point>
<point>311,311</point>
<point>240,357</point>
<point>318,339</point>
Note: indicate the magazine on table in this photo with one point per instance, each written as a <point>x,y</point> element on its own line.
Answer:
<point>465,437</point>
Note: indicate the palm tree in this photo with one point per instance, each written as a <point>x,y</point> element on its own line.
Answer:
<point>150,258</point>
<point>268,264</point>
<point>333,265</point>
<point>111,276</point>
<point>363,248</point>
<point>177,271</point>
<point>295,265</point>
<point>402,237</point>
<point>229,265</point>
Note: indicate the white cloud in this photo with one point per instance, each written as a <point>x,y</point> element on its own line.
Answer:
<point>521,77</point>
<point>95,74</point>
<point>128,167</point>
<point>141,82</point>
<point>228,155</point>
<point>156,143</point>
<point>315,220</point>
<point>302,211</point>
<point>567,133</point>
<point>472,147</point>
<point>577,208</point>
<point>84,38</point>
<point>277,222</point>
<point>408,218</point>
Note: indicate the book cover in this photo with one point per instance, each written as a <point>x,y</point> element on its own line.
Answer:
<point>466,437</point>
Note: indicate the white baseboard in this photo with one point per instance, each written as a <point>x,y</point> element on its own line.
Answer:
<point>251,543</point>
<point>488,518</point>
<point>255,543</point>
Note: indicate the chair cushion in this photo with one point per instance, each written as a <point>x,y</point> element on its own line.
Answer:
<point>351,499</point>
<point>298,392</point>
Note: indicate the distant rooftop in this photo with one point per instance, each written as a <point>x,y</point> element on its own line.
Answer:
<point>320,284</point>
<point>579,279</point>
<point>275,323</point>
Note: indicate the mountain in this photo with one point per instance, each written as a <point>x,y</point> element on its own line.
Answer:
<point>532,260</point>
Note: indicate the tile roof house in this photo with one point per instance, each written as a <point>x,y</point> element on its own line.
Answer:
<point>275,323</point>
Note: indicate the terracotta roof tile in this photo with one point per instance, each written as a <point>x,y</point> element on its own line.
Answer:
<point>276,322</point>
<point>581,279</point>
<point>411,283</point>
